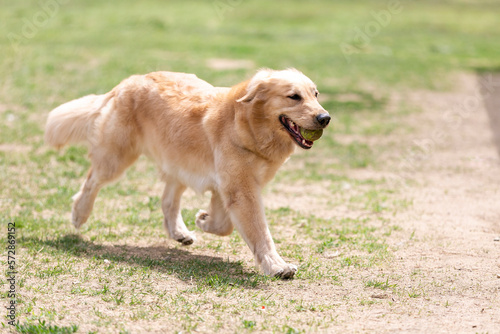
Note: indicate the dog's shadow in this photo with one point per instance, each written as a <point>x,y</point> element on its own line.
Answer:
<point>204,271</point>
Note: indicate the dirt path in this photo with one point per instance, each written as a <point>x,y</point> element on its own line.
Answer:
<point>455,250</point>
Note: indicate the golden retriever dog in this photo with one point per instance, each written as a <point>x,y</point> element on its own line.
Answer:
<point>229,141</point>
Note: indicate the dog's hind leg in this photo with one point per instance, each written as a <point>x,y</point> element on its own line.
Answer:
<point>106,167</point>
<point>170,204</point>
<point>216,220</point>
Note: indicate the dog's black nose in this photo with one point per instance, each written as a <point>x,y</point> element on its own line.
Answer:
<point>323,119</point>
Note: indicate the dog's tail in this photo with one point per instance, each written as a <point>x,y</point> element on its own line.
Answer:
<point>75,121</point>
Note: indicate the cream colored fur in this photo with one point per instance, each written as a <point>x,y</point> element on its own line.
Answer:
<point>228,141</point>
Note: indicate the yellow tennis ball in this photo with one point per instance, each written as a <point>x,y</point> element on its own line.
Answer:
<point>311,135</point>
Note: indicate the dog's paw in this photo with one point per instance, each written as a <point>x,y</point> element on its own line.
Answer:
<point>286,272</point>
<point>77,220</point>
<point>273,265</point>
<point>201,218</point>
<point>187,240</point>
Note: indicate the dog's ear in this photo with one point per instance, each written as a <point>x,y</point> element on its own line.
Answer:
<point>257,84</point>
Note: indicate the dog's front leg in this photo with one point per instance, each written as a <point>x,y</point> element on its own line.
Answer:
<point>246,212</point>
<point>170,204</point>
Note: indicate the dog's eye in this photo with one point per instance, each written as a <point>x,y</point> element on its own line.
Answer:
<point>316,94</point>
<point>295,97</point>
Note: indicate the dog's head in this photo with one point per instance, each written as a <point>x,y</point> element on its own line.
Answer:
<point>285,102</point>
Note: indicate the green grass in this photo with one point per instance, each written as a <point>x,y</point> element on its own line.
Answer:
<point>120,274</point>
<point>380,284</point>
<point>42,328</point>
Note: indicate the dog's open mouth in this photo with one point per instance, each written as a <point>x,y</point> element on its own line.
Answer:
<point>294,131</point>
